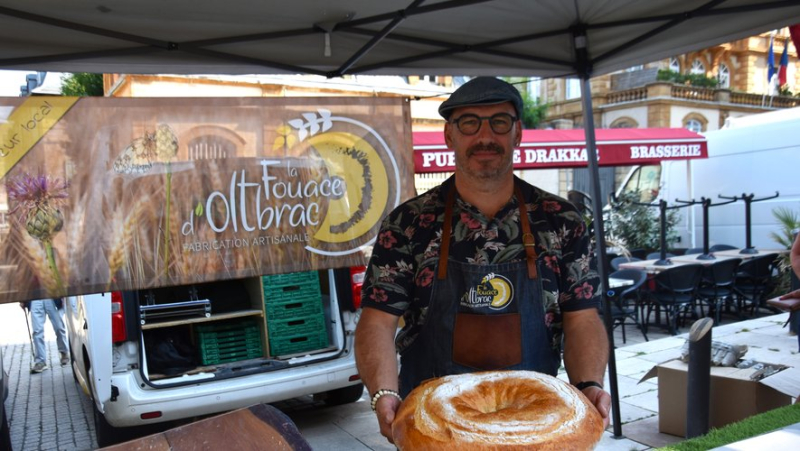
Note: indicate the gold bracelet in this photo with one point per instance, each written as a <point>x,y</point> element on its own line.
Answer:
<point>382,392</point>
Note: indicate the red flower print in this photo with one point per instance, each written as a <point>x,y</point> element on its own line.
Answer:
<point>425,277</point>
<point>470,222</point>
<point>551,206</point>
<point>548,318</point>
<point>386,239</point>
<point>584,291</point>
<point>552,262</point>
<point>426,219</point>
<point>378,295</point>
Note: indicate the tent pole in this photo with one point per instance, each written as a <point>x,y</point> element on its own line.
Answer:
<point>600,248</point>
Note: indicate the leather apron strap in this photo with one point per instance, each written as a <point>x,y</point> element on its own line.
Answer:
<point>528,240</point>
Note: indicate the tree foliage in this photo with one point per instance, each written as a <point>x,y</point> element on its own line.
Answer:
<point>533,112</point>
<point>638,226</point>
<point>82,84</point>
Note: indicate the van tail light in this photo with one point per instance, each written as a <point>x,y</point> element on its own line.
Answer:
<point>357,274</point>
<point>118,334</point>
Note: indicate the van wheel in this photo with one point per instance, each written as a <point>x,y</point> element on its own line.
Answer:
<point>344,395</point>
<point>106,434</point>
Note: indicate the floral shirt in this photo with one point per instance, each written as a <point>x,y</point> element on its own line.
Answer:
<point>401,271</point>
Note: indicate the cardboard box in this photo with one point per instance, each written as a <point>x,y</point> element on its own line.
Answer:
<point>734,395</point>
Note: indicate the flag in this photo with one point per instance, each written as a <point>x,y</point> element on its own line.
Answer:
<point>784,63</point>
<point>770,62</point>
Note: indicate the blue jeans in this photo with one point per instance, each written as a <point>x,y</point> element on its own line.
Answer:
<point>39,310</point>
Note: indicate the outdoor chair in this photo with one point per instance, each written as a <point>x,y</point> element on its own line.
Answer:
<point>615,262</point>
<point>716,287</point>
<point>754,282</point>
<point>626,304</point>
<point>695,250</point>
<point>721,247</point>
<point>675,291</point>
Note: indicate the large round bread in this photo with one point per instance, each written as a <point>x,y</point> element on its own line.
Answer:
<point>509,410</point>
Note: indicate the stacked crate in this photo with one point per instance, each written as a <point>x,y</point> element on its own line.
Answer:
<point>295,319</point>
<point>229,341</point>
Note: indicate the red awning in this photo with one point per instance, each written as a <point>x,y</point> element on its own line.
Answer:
<point>541,149</point>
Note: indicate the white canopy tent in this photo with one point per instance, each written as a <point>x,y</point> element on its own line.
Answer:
<point>542,38</point>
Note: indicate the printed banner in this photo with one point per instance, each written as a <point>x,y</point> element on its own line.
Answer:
<point>120,194</point>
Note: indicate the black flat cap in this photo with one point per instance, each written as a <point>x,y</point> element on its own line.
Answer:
<point>482,91</point>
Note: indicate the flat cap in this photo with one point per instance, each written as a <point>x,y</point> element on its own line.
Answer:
<point>482,91</point>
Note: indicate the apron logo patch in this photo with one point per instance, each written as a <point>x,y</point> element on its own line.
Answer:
<point>494,291</point>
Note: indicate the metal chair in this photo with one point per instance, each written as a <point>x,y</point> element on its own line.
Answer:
<point>721,247</point>
<point>615,262</point>
<point>716,287</point>
<point>675,290</point>
<point>695,250</point>
<point>625,305</point>
<point>754,281</point>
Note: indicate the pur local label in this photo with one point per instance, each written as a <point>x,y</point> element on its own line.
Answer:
<point>27,124</point>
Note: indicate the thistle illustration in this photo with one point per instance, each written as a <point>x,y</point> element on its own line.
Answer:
<point>38,198</point>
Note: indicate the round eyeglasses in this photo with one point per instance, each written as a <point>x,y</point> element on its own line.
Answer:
<point>469,124</point>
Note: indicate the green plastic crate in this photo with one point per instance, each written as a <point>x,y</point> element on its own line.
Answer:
<point>296,326</point>
<point>298,343</point>
<point>212,358</point>
<point>296,307</point>
<point>239,343</point>
<point>290,278</point>
<point>280,287</point>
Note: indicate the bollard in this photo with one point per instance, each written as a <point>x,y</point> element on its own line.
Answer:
<point>698,390</point>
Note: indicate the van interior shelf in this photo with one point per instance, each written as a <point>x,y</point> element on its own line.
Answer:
<point>203,319</point>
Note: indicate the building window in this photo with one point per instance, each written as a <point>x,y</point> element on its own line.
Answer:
<point>724,76</point>
<point>674,65</point>
<point>573,88</point>
<point>635,68</point>
<point>624,122</point>
<point>694,125</point>
<point>698,67</point>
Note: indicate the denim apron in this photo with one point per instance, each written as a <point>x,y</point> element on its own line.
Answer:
<point>481,317</point>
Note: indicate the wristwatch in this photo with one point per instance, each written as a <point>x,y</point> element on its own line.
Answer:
<point>586,384</point>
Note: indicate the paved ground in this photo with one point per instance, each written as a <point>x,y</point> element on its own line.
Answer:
<point>48,411</point>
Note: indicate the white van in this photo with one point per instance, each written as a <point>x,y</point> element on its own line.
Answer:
<point>181,352</point>
<point>756,156</point>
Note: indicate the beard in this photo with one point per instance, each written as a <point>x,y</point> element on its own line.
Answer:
<point>485,170</point>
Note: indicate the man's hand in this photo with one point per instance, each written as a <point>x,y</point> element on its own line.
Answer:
<point>385,409</point>
<point>601,400</point>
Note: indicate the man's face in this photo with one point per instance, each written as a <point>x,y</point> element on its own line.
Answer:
<point>485,155</point>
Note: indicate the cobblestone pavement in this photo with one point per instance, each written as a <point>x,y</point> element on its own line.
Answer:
<point>46,411</point>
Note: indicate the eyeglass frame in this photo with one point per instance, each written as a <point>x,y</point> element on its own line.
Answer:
<point>457,120</point>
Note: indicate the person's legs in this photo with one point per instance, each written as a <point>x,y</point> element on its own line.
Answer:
<point>37,324</point>
<point>57,321</point>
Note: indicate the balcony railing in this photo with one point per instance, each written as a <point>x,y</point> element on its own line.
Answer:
<point>692,93</point>
<point>702,94</point>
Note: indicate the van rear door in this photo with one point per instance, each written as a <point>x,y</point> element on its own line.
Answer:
<point>97,327</point>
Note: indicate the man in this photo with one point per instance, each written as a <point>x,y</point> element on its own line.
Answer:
<point>41,309</point>
<point>482,280</point>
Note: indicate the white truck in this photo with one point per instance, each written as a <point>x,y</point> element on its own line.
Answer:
<point>756,156</point>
